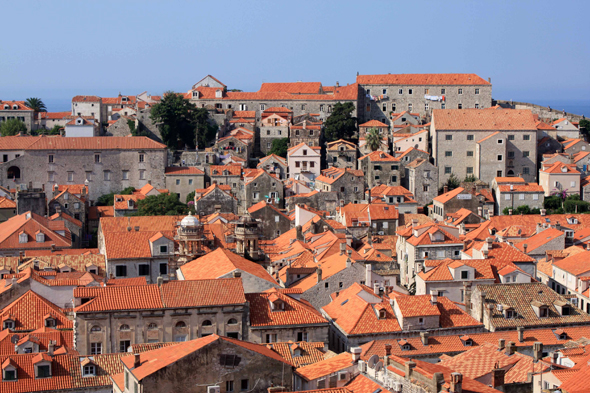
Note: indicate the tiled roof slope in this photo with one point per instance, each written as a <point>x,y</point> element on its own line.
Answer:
<point>311,352</point>
<point>29,311</point>
<point>325,367</point>
<point>421,79</point>
<point>96,143</point>
<point>296,312</point>
<point>484,120</point>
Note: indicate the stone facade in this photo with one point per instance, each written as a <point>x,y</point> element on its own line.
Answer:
<point>348,184</point>
<point>341,154</point>
<point>274,222</point>
<point>275,165</point>
<point>381,168</point>
<point>306,131</point>
<point>17,110</point>
<point>327,201</point>
<point>215,200</point>
<point>262,187</point>
<point>184,180</point>
<point>422,179</point>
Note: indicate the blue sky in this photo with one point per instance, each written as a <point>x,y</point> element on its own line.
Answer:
<point>533,50</point>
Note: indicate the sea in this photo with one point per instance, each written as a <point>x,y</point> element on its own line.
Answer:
<point>577,107</point>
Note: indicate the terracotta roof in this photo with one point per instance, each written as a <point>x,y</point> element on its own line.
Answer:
<point>325,367</point>
<point>482,119</point>
<point>377,156</point>
<point>95,212</point>
<point>172,294</point>
<point>421,79</point>
<point>576,264</point>
<point>528,187</point>
<point>183,170</point>
<point>6,203</point>
<point>330,175</point>
<point>222,262</point>
<point>244,114</point>
<point>293,87</point>
<point>280,159</point>
<point>295,312</point>
<point>310,352</point>
<point>29,311</point>
<point>374,123</point>
<point>561,168</point>
<point>540,239</point>
<point>30,224</point>
<point>233,170</point>
<point>362,384</point>
<point>41,336</point>
<point>96,143</point>
<point>444,198</point>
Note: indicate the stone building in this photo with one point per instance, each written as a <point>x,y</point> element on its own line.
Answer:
<point>560,177</point>
<point>274,124</point>
<point>422,179</point>
<point>304,162</point>
<point>71,200</point>
<point>108,164</point>
<point>262,186</point>
<point>79,126</point>
<point>404,118</point>
<point>459,198</point>
<point>89,106</point>
<point>380,168</point>
<point>215,199</point>
<point>382,95</point>
<point>239,142</point>
<point>382,128</point>
<point>18,110</point>
<point>236,365</point>
<point>183,180</point>
<point>341,154</point>
<point>279,316</point>
<point>308,131</point>
<point>300,97</point>
<point>228,175</point>
<point>349,184</point>
<point>163,313</point>
<point>512,192</point>
<point>274,164</point>
<point>484,143</point>
<point>274,222</point>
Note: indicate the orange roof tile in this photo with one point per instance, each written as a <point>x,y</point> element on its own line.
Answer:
<point>485,120</point>
<point>96,143</point>
<point>539,239</point>
<point>295,312</point>
<point>29,310</point>
<point>183,170</point>
<point>421,79</point>
<point>374,123</point>
<point>325,367</point>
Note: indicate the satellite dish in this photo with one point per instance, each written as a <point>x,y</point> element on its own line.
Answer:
<point>378,366</point>
<point>14,339</point>
<point>373,360</point>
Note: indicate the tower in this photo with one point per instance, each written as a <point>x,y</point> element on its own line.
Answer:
<point>247,234</point>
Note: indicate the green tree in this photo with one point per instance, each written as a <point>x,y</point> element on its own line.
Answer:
<point>109,199</point>
<point>552,202</point>
<point>12,127</point>
<point>451,183</point>
<point>36,104</point>
<point>177,120</point>
<point>585,126</point>
<point>161,205</point>
<point>373,139</point>
<point>205,130</point>
<point>470,179</point>
<point>340,124</point>
<point>279,147</point>
<point>190,197</point>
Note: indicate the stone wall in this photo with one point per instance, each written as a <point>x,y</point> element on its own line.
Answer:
<point>544,112</point>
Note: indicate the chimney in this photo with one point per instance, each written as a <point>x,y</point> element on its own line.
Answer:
<point>387,349</point>
<point>414,222</point>
<point>520,330</point>
<point>543,212</point>
<point>558,226</point>
<point>348,262</point>
<point>236,274</point>
<point>299,232</point>
<point>319,273</point>
<point>509,212</point>
<point>467,296</point>
<point>456,383</point>
<point>489,80</point>
<point>501,344</point>
<point>445,189</point>
<point>356,353</point>
<point>136,360</point>
<point>349,240</point>
<point>489,241</point>
<point>51,347</point>
<point>480,211</point>
<point>554,357</point>
<point>325,228</point>
<point>52,247</point>
<point>510,348</point>
<point>498,377</point>
<point>464,245</point>
<point>537,351</point>
<point>524,247</point>
<point>376,288</point>
<point>424,338</point>
<point>368,274</point>
<point>342,248</point>
<point>433,297</point>
<point>409,368</point>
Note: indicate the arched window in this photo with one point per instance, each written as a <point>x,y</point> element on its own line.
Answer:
<point>124,328</point>
<point>95,329</point>
<point>232,321</point>
<point>13,173</point>
<point>180,324</point>
<point>207,322</point>
<point>152,326</point>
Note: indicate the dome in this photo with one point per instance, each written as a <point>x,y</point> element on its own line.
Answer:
<point>189,221</point>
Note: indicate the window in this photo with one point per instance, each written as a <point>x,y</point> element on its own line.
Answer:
<point>152,326</point>
<point>535,197</point>
<point>321,108</point>
<point>121,271</point>
<point>107,175</point>
<point>426,107</point>
<point>476,106</point>
<point>43,371</point>
<point>525,153</point>
<point>410,107</point>
<point>459,106</point>
<point>297,164</point>
<point>229,386</point>
<point>8,324</point>
<point>89,370</point>
<point>163,268</point>
<point>443,105</point>
<point>9,375</point>
<point>206,322</point>
<point>443,91</point>
<point>301,336</point>
<point>521,197</point>
<point>70,176</point>
<point>142,174</point>
<point>244,384</point>
<point>400,91</point>
<point>573,184</point>
<point>141,157</point>
<point>97,158</point>
<point>464,275</point>
<point>525,170</point>
<point>393,107</point>
<point>95,329</point>
<point>470,137</point>
<point>511,137</point>
<point>507,197</point>
<point>384,107</point>
<point>500,157</point>
<point>460,91</point>
<point>326,285</point>
<point>469,170</point>
<point>410,91</point>
<point>476,91</point>
<point>448,153</point>
<point>89,176</point>
<point>143,270</point>
<point>50,158</point>
<point>526,137</point>
<point>124,345</point>
<point>271,338</point>
<point>448,170</point>
<point>95,348</point>
<point>510,154</point>
<point>125,175</point>
<point>469,153</point>
<point>448,137</point>
<point>190,182</point>
<point>384,91</point>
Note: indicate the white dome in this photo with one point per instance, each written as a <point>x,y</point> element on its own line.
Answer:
<point>189,221</point>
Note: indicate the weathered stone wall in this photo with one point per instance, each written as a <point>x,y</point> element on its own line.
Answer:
<point>271,228</point>
<point>544,112</point>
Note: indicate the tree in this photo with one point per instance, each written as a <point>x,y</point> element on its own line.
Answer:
<point>340,124</point>
<point>279,147</point>
<point>109,199</point>
<point>452,183</point>
<point>36,104</point>
<point>190,197</point>
<point>12,127</point>
<point>584,126</point>
<point>470,179</point>
<point>373,139</point>
<point>177,120</point>
<point>161,205</point>
<point>205,130</point>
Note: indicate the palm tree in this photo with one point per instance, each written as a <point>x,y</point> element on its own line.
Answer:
<point>36,104</point>
<point>373,139</point>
